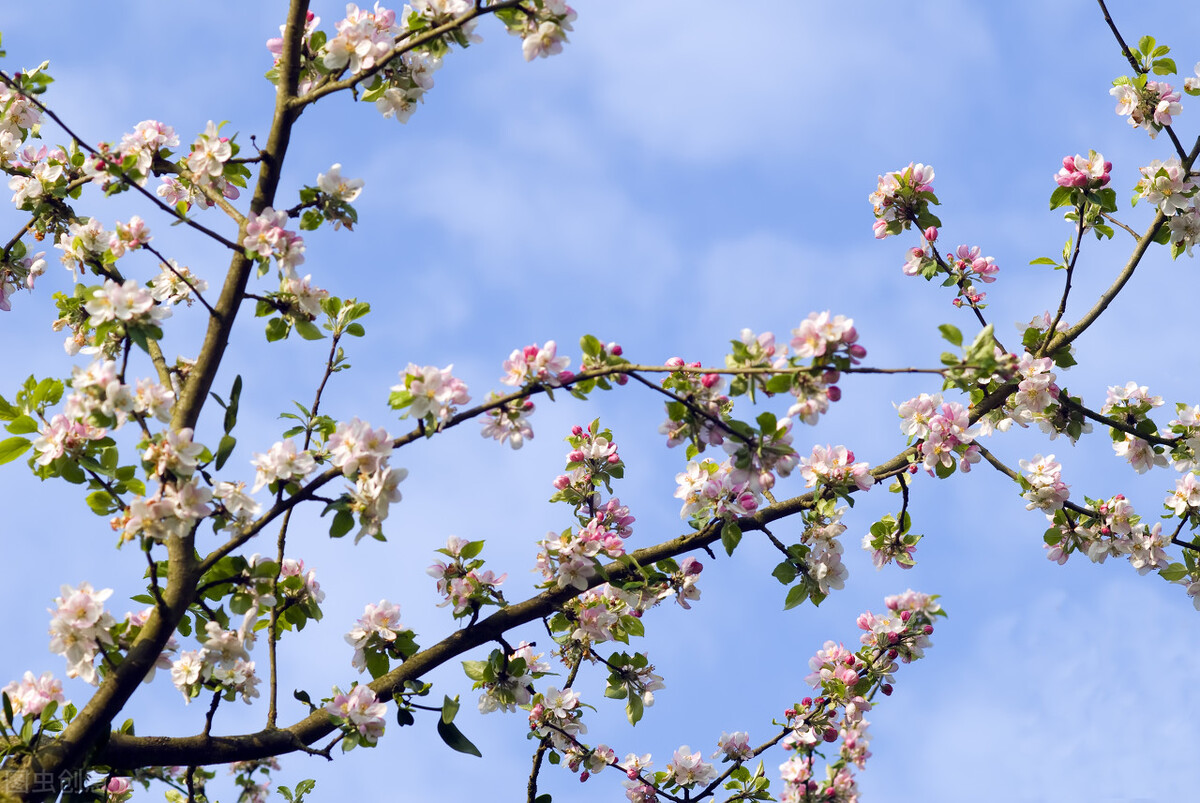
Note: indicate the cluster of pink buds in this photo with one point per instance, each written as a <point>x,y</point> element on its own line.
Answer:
<point>1089,172</point>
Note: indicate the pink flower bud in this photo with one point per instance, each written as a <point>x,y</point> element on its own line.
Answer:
<point>912,468</point>
<point>615,349</point>
<point>857,351</point>
<point>583,776</point>
<point>117,786</point>
<point>905,616</point>
<point>575,456</point>
<point>708,380</point>
<point>834,393</point>
<point>767,480</point>
<point>891,654</point>
<point>576,430</point>
<point>674,362</point>
<point>527,405</point>
<point>622,379</point>
<point>830,735</point>
<point>631,774</point>
<point>831,377</point>
<point>931,234</point>
<point>565,376</point>
<point>886,689</point>
<point>789,713</point>
<point>927,630</point>
<point>562,481</point>
<point>531,352</point>
<point>613,459</point>
<point>893,638</point>
<point>806,702</point>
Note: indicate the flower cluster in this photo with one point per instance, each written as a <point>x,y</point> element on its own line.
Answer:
<point>508,422</point>
<point>1131,405</point>
<point>822,335</point>
<point>1089,172</point>
<point>902,198</point>
<point>428,394</point>
<point>222,664</point>
<point>1167,185</point>
<point>834,468</point>
<point>699,421</point>
<point>544,31</point>
<point>265,236</point>
<point>570,558</point>
<point>363,39</point>
<point>79,628</point>
<point>378,632</point>
<point>358,713</point>
<point>172,511</point>
<point>127,303</point>
<point>540,364</point>
<point>211,172</point>
<point>280,465</point>
<point>362,455</point>
<point>463,582</point>
<point>1110,528</point>
<point>845,680</point>
<point>943,432</point>
<point>506,680</point>
<point>176,284</point>
<point>557,715</point>
<point>30,695</point>
<point>1150,107</point>
<point>1044,488</point>
<point>709,490</point>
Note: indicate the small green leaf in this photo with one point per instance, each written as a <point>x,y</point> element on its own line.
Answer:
<point>308,330</point>
<point>731,535</point>
<point>951,334</point>
<point>224,449</point>
<point>449,709</point>
<point>796,595</point>
<point>1044,261</point>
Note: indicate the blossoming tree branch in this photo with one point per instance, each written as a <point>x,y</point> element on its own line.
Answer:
<point>118,428</point>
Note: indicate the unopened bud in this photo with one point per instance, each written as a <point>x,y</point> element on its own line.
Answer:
<point>830,735</point>
<point>615,349</point>
<point>891,654</point>
<point>576,430</point>
<point>583,776</point>
<point>834,393</point>
<point>927,630</point>
<point>791,712</point>
<point>886,689</point>
<point>708,380</point>
<point>905,616</point>
<point>575,456</point>
<point>613,459</point>
<point>931,234</point>
<point>806,702</point>
<point>562,481</point>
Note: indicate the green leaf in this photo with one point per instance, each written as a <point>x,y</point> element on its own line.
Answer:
<point>1062,196</point>
<point>449,709</point>
<point>355,330</point>
<point>308,330</point>
<point>785,572</point>
<point>634,708</point>
<point>277,329</point>
<point>100,502</point>
<point>224,449</point>
<point>453,737</point>
<point>231,409</point>
<point>12,448</point>
<point>377,664</point>
<point>23,425</point>
<point>731,535</point>
<point>795,596</point>
<point>951,334</point>
<point>474,669</point>
<point>343,522</point>
<point>1044,261</point>
<point>591,345</point>
<point>1174,572</point>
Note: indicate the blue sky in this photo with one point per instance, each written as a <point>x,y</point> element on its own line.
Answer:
<point>681,171</point>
